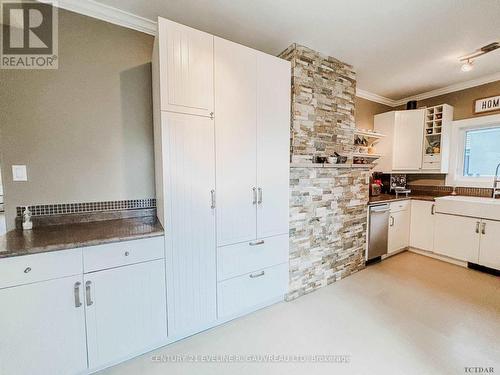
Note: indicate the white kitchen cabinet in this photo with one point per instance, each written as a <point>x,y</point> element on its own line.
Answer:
<point>401,149</point>
<point>189,168</point>
<point>273,144</point>
<point>399,228</point>
<point>457,237</point>
<point>42,328</point>
<point>125,311</point>
<point>236,141</point>
<point>489,250</point>
<point>186,69</point>
<point>422,225</point>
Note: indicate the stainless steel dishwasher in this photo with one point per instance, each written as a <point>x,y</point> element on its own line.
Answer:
<point>378,234</point>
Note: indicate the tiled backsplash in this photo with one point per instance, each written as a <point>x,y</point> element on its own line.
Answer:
<point>76,208</point>
<point>446,190</point>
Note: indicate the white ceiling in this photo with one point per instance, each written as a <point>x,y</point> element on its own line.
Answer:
<point>399,48</point>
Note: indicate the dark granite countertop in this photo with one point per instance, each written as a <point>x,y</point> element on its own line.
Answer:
<point>384,198</point>
<point>67,236</point>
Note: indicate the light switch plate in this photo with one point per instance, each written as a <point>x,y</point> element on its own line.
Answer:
<point>19,173</point>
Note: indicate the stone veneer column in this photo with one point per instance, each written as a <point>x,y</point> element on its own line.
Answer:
<point>328,205</point>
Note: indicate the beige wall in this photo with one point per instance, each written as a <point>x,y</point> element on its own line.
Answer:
<point>365,110</point>
<point>85,130</point>
<point>463,100</point>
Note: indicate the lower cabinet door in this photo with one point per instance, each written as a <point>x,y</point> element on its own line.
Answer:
<point>399,230</point>
<point>42,328</point>
<point>489,251</point>
<point>243,294</point>
<point>457,237</point>
<point>125,311</point>
<point>422,225</point>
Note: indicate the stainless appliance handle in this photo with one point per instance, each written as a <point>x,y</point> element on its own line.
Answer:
<point>255,243</point>
<point>76,291</point>
<point>87,293</point>
<point>255,275</point>
<point>254,192</point>
<point>212,198</point>
<point>259,201</point>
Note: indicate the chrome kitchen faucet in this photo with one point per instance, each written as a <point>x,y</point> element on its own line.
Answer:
<point>496,181</point>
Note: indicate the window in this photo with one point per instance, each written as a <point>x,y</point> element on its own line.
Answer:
<point>482,152</point>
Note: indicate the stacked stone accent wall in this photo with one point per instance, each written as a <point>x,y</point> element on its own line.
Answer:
<point>328,205</point>
<point>328,210</point>
<point>323,92</point>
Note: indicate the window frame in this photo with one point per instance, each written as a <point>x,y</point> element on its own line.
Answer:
<point>455,176</point>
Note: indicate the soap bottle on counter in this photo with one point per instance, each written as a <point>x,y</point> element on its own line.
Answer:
<point>27,223</point>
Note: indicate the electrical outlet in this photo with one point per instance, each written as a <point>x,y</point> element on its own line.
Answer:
<point>19,173</point>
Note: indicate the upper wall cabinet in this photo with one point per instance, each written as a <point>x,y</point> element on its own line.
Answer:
<point>186,69</point>
<point>402,148</point>
<point>417,140</point>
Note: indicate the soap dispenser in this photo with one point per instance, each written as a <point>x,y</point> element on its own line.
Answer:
<point>27,223</point>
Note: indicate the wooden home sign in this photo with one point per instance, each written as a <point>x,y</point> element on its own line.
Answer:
<point>491,103</point>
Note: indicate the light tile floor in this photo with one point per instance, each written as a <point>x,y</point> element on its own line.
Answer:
<point>407,315</point>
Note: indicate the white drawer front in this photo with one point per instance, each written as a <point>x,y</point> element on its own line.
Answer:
<point>118,254</point>
<point>400,206</point>
<point>39,267</point>
<point>251,291</point>
<point>432,158</point>
<point>431,165</point>
<point>236,260</point>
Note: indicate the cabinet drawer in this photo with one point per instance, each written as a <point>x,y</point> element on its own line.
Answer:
<point>238,259</point>
<point>431,165</point>
<point>118,254</point>
<point>39,267</point>
<point>400,205</point>
<point>251,291</point>
<point>432,158</point>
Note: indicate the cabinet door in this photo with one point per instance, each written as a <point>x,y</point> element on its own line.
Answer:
<point>422,225</point>
<point>489,251</point>
<point>235,134</point>
<point>457,237</point>
<point>125,311</point>
<point>399,230</point>
<point>408,140</point>
<point>186,69</point>
<point>273,144</point>
<point>42,329</point>
<point>190,241</point>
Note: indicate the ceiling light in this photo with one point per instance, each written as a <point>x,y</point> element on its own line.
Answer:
<point>467,66</point>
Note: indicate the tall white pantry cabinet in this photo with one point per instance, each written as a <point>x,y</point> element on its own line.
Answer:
<point>222,123</point>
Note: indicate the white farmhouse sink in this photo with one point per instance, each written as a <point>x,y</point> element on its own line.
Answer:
<point>486,208</point>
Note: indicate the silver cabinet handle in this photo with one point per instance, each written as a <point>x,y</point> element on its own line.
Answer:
<point>392,221</point>
<point>259,201</point>
<point>483,228</point>
<point>433,209</point>
<point>78,303</point>
<point>211,115</point>
<point>477,226</point>
<point>254,192</point>
<point>126,253</point>
<point>255,275</point>
<point>87,293</point>
<point>255,243</point>
<point>27,270</point>
<point>212,198</point>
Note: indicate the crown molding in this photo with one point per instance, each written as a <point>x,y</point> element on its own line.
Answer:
<point>109,14</point>
<point>452,88</point>
<point>375,98</point>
